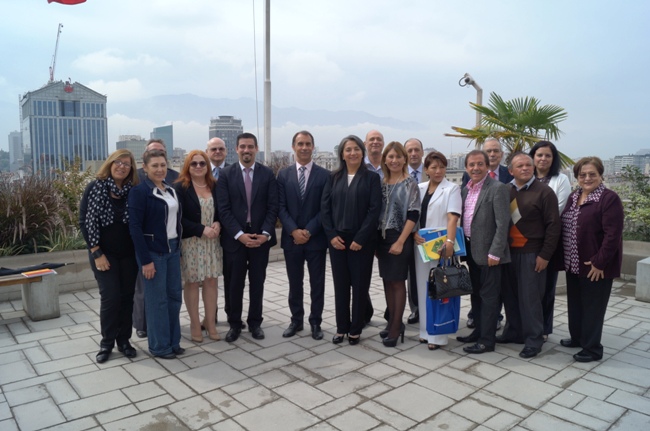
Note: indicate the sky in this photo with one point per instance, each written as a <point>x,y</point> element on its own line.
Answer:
<point>396,59</point>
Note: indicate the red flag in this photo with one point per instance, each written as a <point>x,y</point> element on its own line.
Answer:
<point>66,1</point>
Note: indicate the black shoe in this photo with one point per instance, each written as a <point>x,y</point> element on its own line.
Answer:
<point>383,334</point>
<point>338,339</point>
<point>354,340</point>
<point>233,334</point>
<point>178,351</point>
<point>468,339</point>
<point>257,333</point>
<point>316,332</point>
<point>583,356</point>
<point>292,329</point>
<point>127,349</point>
<point>103,355</point>
<point>392,342</point>
<point>470,323</point>
<point>501,339</point>
<point>413,318</point>
<point>529,352</point>
<point>167,356</point>
<point>568,342</point>
<point>141,334</point>
<point>478,348</point>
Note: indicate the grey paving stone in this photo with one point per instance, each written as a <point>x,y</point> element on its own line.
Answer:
<point>540,421</point>
<point>64,364</point>
<point>474,410</point>
<point>82,424</point>
<point>343,385</point>
<point>338,406</point>
<point>155,402</point>
<point>36,355</point>
<point>445,386</point>
<point>38,415</point>
<point>102,381</point>
<point>117,414</point>
<point>602,410</point>
<point>502,421</point>
<point>273,416</point>
<point>26,395</point>
<point>92,405</point>
<point>574,416</point>
<point>414,401</point>
<point>273,379</point>
<point>146,370</point>
<point>160,420</point>
<point>256,396</point>
<point>632,421</point>
<point>5,411</point>
<point>446,420</point>
<point>303,395</point>
<point>143,391</point>
<point>630,401</point>
<point>197,412</point>
<point>524,390</point>
<point>71,348</point>
<point>210,377</point>
<point>566,377</point>
<point>373,390</point>
<point>621,371</point>
<point>387,416</point>
<point>9,357</point>
<point>16,372</point>
<point>225,402</point>
<point>502,403</point>
<point>353,420</point>
<point>331,364</point>
<point>568,399</point>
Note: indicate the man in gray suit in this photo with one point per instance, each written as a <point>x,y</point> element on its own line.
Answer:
<point>486,220</point>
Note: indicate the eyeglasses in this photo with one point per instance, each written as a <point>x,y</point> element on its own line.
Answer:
<point>589,175</point>
<point>121,164</point>
<point>212,150</point>
<point>199,164</point>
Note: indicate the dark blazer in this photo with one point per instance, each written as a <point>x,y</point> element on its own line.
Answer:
<point>189,201</point>
<point>298,213</point>
<point>148,214</point>
<point>599,234</point>
<point>233,209</point>
<point>504,176</point>
<point>491,222</point>
<point>352,210</point>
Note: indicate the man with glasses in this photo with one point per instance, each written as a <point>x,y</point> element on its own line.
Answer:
<point>217,153</point>
<point>139,317</point>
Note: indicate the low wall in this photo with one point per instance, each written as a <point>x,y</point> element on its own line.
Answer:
<point>633,251</point>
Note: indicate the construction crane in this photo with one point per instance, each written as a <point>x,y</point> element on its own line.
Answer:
<point>56,48</point>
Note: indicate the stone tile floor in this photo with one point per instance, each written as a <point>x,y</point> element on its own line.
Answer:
<point>49,379</point>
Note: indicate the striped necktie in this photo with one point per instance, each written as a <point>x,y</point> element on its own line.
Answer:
<point>301,181</point>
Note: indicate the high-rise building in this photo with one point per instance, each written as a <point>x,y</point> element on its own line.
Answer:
<point>62,121</point>
<point>166,133</point>
<point>227,128</point>
<point>134,143</point>
<point>16,152</point>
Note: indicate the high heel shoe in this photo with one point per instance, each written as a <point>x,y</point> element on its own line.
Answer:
<point>338,338</point>
<point>384,333</point>
<point>354,340</point>
<point>392,342</point>
<point>214,336</point>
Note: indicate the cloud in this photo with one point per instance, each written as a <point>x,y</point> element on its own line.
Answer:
<point>111,61</point>
<point>302,68</point>
<point>119,91</point>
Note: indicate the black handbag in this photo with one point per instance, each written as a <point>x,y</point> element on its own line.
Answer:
<point>448,280</point>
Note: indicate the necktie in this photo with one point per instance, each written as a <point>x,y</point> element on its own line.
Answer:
<point>248,185</point>
<point>493,175</point>
<point>301,181</point>
<point>415,176</point>
<point>215,172</point>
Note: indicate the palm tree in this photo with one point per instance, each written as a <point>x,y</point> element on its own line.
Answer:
<point>517,123</point>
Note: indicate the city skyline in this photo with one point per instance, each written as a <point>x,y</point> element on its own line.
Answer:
<point>393,63</point>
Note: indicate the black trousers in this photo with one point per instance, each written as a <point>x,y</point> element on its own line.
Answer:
<point>139,315</point>
<point>486,287</point>
<point>295,261</point>
<point>116,288</point>
<point>523,301</point>
<point>412,285</point>
<point>587,303</point>
<point>548,303</point>
<point>240,262</point>
<point>351,271</point>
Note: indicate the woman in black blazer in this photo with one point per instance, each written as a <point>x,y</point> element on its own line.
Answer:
<point>202,257</point>
<point>350,210</point>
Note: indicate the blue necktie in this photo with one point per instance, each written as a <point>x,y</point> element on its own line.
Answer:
<point>301,181</point>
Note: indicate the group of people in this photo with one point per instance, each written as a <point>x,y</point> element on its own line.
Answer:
<point>150,231</point>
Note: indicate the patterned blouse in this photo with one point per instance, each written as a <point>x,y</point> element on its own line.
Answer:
<point>398,200</point>
<point>570,228</point>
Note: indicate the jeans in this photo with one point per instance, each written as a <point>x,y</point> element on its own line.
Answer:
<point>162,300</point>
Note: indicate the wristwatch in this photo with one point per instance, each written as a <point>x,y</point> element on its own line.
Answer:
<point>97,253</point>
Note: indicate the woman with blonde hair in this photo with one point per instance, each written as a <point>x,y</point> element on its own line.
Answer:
<point>201,254</point>
<point>104,223</point>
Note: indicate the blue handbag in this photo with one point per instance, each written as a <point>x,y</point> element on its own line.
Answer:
<point>443,315</point>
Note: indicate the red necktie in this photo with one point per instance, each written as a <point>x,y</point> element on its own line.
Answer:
<point>493,175</point>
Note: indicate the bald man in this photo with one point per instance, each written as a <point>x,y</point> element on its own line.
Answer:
<point>217,153</point>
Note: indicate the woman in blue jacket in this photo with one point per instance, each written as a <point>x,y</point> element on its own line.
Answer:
<point>155,226</point>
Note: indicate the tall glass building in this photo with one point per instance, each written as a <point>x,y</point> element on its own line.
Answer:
<point>62,121</point>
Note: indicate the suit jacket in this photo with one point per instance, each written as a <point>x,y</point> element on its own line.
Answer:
<point>352,209</point>
<point>423,175</point>
<point>189,201</point>
<point>233,207</point>
<point>298,213</point>
<point>491,222</point>
<point>504,176</point>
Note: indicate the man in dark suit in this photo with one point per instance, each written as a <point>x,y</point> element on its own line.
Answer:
<point>300,188</point>
<point>139,316</point>
<point>217,153</point>
<point>247,198</point>
<point>496,171</point>
<point>485,219</point>
<point>415,151</point>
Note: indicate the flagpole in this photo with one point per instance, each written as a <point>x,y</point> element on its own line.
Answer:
<point>267,82</point>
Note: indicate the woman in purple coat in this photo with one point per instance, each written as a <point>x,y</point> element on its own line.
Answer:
<point>592,239</point>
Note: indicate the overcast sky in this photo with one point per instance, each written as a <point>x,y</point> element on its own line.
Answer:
<point>399,59</point>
